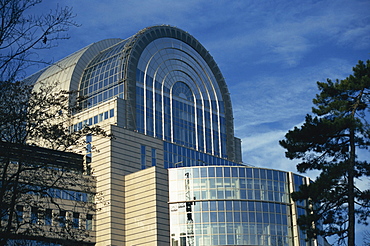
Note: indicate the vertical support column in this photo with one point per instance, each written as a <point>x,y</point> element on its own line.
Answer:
<point>313,241</point>
<point>294,212</point>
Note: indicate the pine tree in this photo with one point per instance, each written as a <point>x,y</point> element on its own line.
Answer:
<point>329,142</point>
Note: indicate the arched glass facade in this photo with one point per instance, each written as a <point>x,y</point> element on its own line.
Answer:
<point>173,89</point>
<point>178,98</point>
<point>229,206</point>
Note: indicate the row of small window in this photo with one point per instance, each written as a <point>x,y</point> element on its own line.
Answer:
<point>210,186</point>
<point>47,217</point>
<point>61,194</point>
<point>105,95</point>
<point>187,162</point>
<point>93,120</point>
<point>238,183</point>
<point>237,239</point>
<point>17,242</point>
<point>239,229</point>
<point>236,206</point>
<point>186,157</point>
<point>229,193</point>
<point>100,84</point>
<point>70,195</point>
<point>242,172</point>
<point>234,217</point>
<point>228,190</point>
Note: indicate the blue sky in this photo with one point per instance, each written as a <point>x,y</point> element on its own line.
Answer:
<point>271,53</point>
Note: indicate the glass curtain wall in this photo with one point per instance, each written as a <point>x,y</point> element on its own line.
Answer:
<point>178,98</point>
<point>229,206</point>
<point>103,78</point>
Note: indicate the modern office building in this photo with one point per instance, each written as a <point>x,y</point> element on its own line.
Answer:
<point>237,205</point>
<point>44,197</point>
<point>163,97</point>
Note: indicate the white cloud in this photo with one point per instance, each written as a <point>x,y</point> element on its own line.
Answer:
<point>359,37</point>
<point>285,32</point>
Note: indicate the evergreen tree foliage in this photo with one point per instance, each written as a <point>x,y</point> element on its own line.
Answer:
<point>329,141</point>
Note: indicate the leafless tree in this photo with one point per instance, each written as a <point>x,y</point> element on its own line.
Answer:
<point>23,34</point>
<point>41,184</point>
<point>43,192</point>
<point>366,238</point>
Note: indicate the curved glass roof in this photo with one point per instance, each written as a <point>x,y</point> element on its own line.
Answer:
<point>171,85</point>
<point>103,77</point>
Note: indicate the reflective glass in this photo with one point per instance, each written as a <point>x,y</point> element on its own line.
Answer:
<point>203,172</point>
<point>211,172</point>
<point>205,217</point>
<point>224,212</point>
<point>180,77</point>
<point>226,172</point>
<point>229,205</point>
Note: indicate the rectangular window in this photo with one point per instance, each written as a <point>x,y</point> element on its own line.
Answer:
<point>88,138</point>
<point>76,220</point>
<point>111,113</point>
<point>34,215</point>
<point>48,216</point>
<point>62,218</point>
<point>4,214</point>
<point>154,157</point>
<point>57,193</point>
<point>89,222</point>
<point>143,159</point>
<point>96,120</point>
<point>88,159</point>
<point>79,126</point>
<point>19,211</point>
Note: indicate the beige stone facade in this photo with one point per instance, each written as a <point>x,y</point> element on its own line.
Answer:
<point>146,208</point>
<point>117,158</point>
<point>120,182</point>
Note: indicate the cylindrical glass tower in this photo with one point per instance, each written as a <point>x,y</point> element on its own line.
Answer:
<point>220,205</point>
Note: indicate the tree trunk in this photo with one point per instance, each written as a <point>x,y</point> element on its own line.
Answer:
<point>351,195</point>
